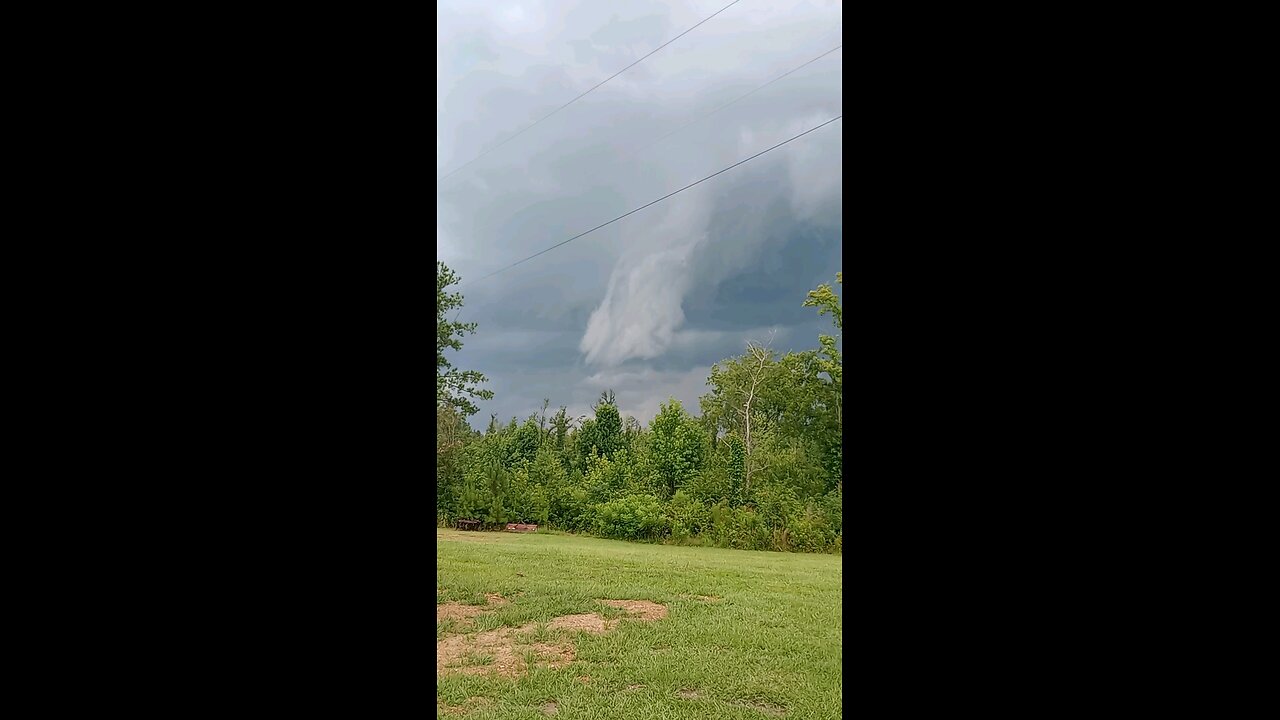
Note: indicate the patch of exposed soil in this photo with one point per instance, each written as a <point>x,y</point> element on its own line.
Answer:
<point>464,613</point>
<point>555,655</point>
<point>550,709</point>
<point>642,609</point>
<point>634,687</point>
<point>506,649</point>
<point>688,694</point>
<point>457,611</point>
<point>586,622</point>
<point>509,646</point>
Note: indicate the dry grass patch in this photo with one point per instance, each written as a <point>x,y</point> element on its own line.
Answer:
<point>462,614</point>
<point>511,652</point>
<point>507,650</point>
<point>641,609</point>
<point>583,622</point>
<point>457,611</point>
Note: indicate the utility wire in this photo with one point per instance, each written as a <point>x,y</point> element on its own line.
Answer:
<point>700,118</point>
<point>553,112</point>
<point>664,197</point>
<point>740,97</point>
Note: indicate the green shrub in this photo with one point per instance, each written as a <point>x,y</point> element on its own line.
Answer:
<point>634,517</point>
<point>687,516</point>
<point>740,528</point>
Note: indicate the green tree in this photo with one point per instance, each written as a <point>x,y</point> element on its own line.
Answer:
<point>498,484</point>
<point>737,468</point>
<point>828,302</point>
<point>676,446</point>
<point>452,437</point>
<point>523,444</point>
<point>608,426</point>
<point>454,387</point>
<point>605,479</point>
<point>744,400</point>
<point>603,434</point>
<point>560,424</point>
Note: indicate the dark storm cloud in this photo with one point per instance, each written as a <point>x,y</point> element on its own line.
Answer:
<point>645,305</point>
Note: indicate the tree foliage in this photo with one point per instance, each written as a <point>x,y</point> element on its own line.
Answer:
<point>676,446</point>
<point>454,387</point>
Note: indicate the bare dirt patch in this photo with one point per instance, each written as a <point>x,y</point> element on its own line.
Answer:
<point>509,652</point>
<point>464,613</point>
<point>585,622</point>
<point>550,709</point>
<point>688,694</point>
<point>505,647</point>
<point>641,609</point>
<point>555,655</point>
<point>635,687</point>
<point>457,611</point>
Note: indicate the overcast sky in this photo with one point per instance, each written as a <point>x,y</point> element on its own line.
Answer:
<point>646,305</point>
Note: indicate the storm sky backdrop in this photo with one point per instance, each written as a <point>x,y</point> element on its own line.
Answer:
<point>647,304</point>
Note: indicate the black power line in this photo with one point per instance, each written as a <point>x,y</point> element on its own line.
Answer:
<point>664,197</point>
<point>602,82</point>
<point>740,97</point>
<point>700,118</point>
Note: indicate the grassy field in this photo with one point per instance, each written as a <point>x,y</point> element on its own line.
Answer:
<point>520,631</point>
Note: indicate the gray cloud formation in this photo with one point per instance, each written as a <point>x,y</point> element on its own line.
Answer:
<point>645,305</point>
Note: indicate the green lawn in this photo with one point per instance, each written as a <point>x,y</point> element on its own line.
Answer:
<point>764,640</point>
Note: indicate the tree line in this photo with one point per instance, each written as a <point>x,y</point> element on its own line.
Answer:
<point>758,468</point>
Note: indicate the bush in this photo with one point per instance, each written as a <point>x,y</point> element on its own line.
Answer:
<point>748,530</point>
<point>721,523</point>
<point>740,528</point>
<point>810,535</point>
<point>687,517</point>
<point>634,517</point>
